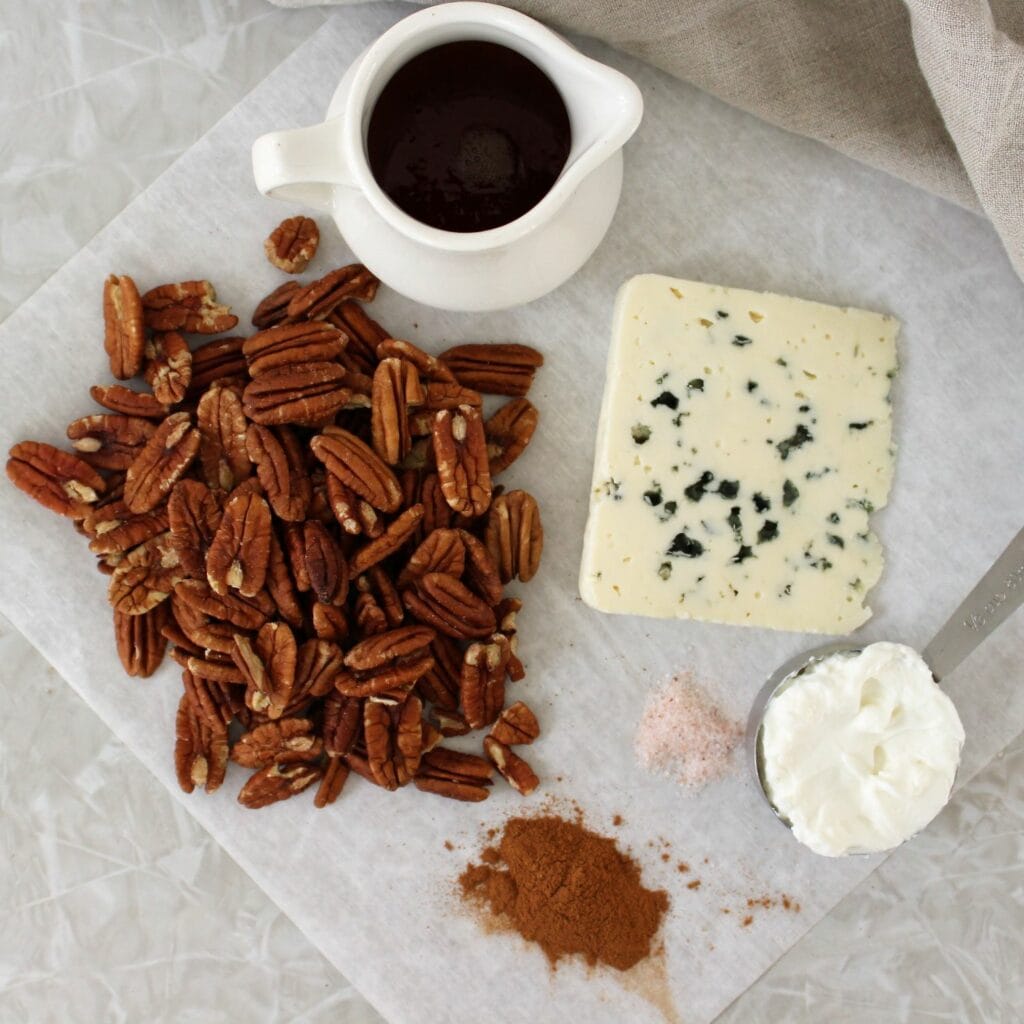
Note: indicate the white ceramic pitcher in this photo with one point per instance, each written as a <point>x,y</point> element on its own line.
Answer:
<point>325,167</point>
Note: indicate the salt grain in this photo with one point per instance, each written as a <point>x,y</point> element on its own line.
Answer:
<point>684,735</point>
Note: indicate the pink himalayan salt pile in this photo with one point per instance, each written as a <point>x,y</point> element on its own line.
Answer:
<point>684,735</point>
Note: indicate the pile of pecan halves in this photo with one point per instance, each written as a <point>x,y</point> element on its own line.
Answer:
<point>306,520</point>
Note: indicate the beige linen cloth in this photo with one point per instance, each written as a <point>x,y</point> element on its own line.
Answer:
<point>929,90</point>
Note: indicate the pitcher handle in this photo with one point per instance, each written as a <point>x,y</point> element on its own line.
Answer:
<point>302,165</point>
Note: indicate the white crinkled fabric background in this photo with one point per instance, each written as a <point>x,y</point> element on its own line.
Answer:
<point>116,906</point>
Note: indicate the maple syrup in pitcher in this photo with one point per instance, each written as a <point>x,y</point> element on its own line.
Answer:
<point>468,136</point>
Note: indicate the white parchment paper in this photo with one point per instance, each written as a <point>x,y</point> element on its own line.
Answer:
<point>709,194</point>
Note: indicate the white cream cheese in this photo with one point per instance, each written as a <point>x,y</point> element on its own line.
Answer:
<point>860,751</point>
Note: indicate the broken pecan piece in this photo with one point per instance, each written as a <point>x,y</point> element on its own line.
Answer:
<point>481,572</point>
<point>273,308</point>
<point>508,432</point>
<point>240,549</point>
<point>216,360</point>
<point>497,369</point>
<point>244,613</point>
<point>461,452</point>
<point>292,344</point>
<point>317,300</point>
<point>482,682</point>
<point>292,244</point>
<point>115,529</point>
<point>109,441</point>
<point>442,551</point>
<point>124,332</point>
<point>60,481</point>
<point>163,459</point>
<point>308,394</point>
<point>516,772</point>
<point>428,365</point>
<point>358,467</point>
<point>140,640</point>
<point>364,335</point>
<point>118,398</point>
<point>168,366</point>
<point>267,667</point>
<point>449,606</point>
<point>190,306</point>
<point>333,781</point>
<point>288,739</point>
<point>343,718</point>
<point>514,535</point>
<point>145,576</point>
<point>454,775</point>
<point>396,534</point>
<point>516,725</point>
<point>278,781</point>
<point>281,466</point>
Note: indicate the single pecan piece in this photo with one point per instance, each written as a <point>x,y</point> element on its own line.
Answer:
<point>60,481</point>
<point>508,432</point>
<point>514,535</point>
<point>118,398</point>
<point>482,683</point>
<point>394,740</point>
<point>318,665</point>
<point>109,441</point>
<point>244,613</point>
<point>440,685</point>
<point>223,455</point>
<point>381,650</point>
<point>317,300</point>
<point>437,513</point>
<point>291,344</point>
<point>330,622</point>
<point>201,743</point>
<point>370,617</point>
<point>193,515</point>
<point>163,459</point>
<point>287,739</point>
<point>124,334</point>
<point>292,244</point>
<point>115,529</point>
<point>442,551</point>
<point>481,571</point>
<point>219,360</point>
<point>325,564</point>
<point>278,781</point>
<point>430,367</point>
<point>273,308</point>
<point>396,388</point>
<point>516,772</point>
<point>267,667</point>
<point>199,634</point>
<point>397,677</point>
<point>461,452</point>
<point>378,583</point>
<point>240,549</point>
<point>343,718</point>
<point>454,775</point>
<point>431,736</point>
<point>281,586</point>
<point>494,369</point>
<point>145,576</point>
<point>364,334</point>
<point>449,606</point>
<point>355,515</point>
<point>469,792</point>
<point>332,783</point>
<point>140,640</point>
<point>280,462</point>
<point>442,395</point>
<point>517,724</point>
<point>390,541</point>
<point>308,394</point>
<point>451,723</point>
<point>358,467</point>
<point>168,366</point>
<point>190,306</point>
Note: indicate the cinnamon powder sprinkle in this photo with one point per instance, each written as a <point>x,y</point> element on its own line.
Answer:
<point>568,889</point>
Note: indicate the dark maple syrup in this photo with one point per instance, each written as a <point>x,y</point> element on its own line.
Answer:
<point>468,136</point>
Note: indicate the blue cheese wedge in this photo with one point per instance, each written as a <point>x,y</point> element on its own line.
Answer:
<point>744,441</point>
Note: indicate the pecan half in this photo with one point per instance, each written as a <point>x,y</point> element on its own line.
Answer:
<point>399,673</point>
<point>199,634</point>
<point>308,394</point>
<point>61,482</point>
<point>378,583</point>
<point>118,398</point>
<point>244,613</point>
<point>442,395</point>
<point>517,724</point>
<point>292,244</point>
<point>364,335</point>
<point>508,432</point>
<point>481,571</point>
<point>109,441</point>
<point>358,467</point>
<point>287,739</point>
<point>440,684</point>
<point>457,776</point>
<point>291,344</point>
<point>222,450</point>
<point>494,369</point>
<point>140,640</point>
<point>394,740</point>
<point>124,334</point>
<point>514,535</point>
<point>449,606</point>
<point>190,306</point>
<point>145,576</point>
<point>330,622</point>
<point>278,781</point>
<point>240,549</point>
<point>431,368</point>
<point>168,366</point>
<point>193,515</point>
<point>201,744</point>
<point>333,781</point>
<point>381,650</point>
<point>115,529</point>
<point>482,683</point>
<point>281,586</point>
<point>442,551</point>
<point>396,534</point>
<point>516,772</point>
<point>216,360</point>
<point>396,388</point>
<point>268,667</point>
<point>437,513</point>
<point>318,666</point>
<point>317,300</point>
<point>273,308</point>
<point>461,452</point>
<point>343,718</point>
<point>325,564</point>
<point>281,466</point>
<point>163,459</point>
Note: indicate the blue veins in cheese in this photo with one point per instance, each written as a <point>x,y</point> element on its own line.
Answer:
<point>744,441</point>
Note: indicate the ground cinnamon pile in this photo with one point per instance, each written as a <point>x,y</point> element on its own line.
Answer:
<point>568,889</point>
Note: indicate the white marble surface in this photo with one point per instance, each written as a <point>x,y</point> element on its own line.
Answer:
<point>117,906</point>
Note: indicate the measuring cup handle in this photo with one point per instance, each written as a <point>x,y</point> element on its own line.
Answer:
<point>302,165</point>
<point>999,592</point>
